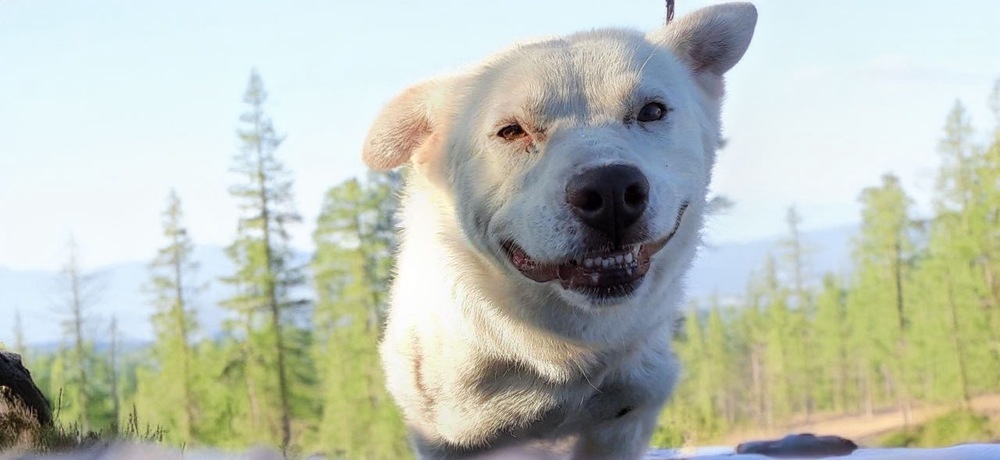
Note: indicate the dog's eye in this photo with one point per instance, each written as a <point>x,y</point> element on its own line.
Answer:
<point>512,132</point>
<point>652,112</point>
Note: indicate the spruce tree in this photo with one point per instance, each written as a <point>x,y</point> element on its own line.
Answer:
<point>882,256</point>
<point>833,357</point>
<point>962,253</point>
<point>173,404</point>
<point>354,239</point>
<point>801,364</point>
<point>267,274</point>
<point>719,368</point>
<point>78,360</point>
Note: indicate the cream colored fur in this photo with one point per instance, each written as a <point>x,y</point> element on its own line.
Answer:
<point>481,358</point>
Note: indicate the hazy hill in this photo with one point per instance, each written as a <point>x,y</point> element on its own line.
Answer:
<point>725,269</point>
<point>119,289</point>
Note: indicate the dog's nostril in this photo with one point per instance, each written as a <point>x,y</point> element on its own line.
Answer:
<point>636,194</point>
<point>586,200</point>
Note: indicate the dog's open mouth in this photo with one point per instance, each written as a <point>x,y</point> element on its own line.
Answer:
<point>601,273</point>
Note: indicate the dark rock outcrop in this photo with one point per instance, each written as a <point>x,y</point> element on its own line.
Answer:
<point>800,446</point>
<point>23,408</point>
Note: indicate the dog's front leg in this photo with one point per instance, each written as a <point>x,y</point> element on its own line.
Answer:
<point>623,438</point>
<point>623,415</point>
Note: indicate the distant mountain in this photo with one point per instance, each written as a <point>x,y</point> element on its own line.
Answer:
<point>119,290</point>
<point>723,270</point>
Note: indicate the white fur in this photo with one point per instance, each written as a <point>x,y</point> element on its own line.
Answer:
<point>480,357</point>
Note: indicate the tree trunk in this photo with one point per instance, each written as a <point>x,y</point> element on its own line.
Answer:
<point>115,403</point>
<point>273,305</point>
<point>904,380</point>
<point>83,391</point>
<point>959,352</point>
<point>180,316</point>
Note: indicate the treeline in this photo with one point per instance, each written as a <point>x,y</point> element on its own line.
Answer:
<point>917,321</point>
<point>296,365</point>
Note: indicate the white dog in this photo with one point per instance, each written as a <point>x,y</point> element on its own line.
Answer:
<point>555,203</point>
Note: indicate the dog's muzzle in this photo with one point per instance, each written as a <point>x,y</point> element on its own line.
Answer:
<point>609,200</point>
<point>600,273</point>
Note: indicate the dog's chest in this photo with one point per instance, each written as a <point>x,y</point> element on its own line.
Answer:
<point>524,397</point>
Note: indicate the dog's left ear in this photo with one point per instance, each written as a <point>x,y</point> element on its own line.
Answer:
<point>409,128</point>
<point>710,40</point>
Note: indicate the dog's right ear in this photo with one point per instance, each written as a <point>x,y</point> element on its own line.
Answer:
<point>409,127</point>
<point>710,40</point>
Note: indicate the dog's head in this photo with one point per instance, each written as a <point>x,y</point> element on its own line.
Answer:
<point>580,164</point>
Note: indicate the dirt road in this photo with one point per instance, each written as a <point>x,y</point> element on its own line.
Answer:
<point>862,428</point>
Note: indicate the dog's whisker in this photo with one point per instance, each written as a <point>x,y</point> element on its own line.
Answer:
<point>646,61</point>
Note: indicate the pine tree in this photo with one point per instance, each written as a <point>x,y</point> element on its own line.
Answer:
<point>113,357</point>
<point>989,221</point>
<point>795,257</point>
<point>780,338</point>
<point>982,213</point>
<point>753,333</point>
<point>833,356</point>
<point>690,418</point>
<point>78,361</point>
<point>882,256</point>
<point>267,275</point>
<point>173,404</point>
<point>802,365</point>
<point>221,395</point>
<point>962,252</point>
<point>719,368</point>
<point>354,241</point>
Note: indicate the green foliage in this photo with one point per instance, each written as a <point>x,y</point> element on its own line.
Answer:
<point>956,427</point>
<point>78,368</point>
<point>166,392</point>
<point>266,280</point>
<point>918,321</point>
<point>354,241</point>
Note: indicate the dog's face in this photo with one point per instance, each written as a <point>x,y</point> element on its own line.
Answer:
<point>576,164</point>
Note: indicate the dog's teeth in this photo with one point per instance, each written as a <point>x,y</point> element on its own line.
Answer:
<point>593,277</point>
<point>619,258</point>
<point>606,262</point>
<point>629,258</point>
<point>588,263</point>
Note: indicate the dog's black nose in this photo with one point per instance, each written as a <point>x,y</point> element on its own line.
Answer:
<point>609,199</point>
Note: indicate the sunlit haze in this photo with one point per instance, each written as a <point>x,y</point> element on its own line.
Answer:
<point>106,106</point>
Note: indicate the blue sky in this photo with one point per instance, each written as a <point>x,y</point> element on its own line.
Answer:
<point>105,106</point>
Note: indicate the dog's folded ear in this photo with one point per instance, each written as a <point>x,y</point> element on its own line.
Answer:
<point>409,126</point>
<point>712,39</point>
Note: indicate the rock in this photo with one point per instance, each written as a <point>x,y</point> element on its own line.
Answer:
<point>23,408</point>
<point>800,446</point>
